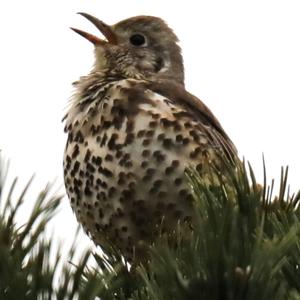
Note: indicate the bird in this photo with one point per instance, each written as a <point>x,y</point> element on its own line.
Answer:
<point>132,132</point>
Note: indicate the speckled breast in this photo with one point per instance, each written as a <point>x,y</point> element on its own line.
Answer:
<point>124,165</point>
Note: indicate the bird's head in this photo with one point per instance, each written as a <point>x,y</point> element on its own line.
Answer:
<point>138,47</point>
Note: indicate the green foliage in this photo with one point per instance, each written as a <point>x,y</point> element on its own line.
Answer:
<point>242,247</point>
<point>244,244</point>
<point>26,271</point>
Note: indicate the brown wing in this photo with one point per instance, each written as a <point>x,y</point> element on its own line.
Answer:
<point>178,94</point>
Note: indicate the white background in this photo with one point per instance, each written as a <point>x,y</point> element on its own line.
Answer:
<point>242,58</point>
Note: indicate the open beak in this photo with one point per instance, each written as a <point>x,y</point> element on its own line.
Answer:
<point>103,28</point>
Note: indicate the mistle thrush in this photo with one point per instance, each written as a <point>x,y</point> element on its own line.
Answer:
<point>133,130</point>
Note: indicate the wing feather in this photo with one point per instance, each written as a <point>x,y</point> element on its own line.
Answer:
<point>177,93</point>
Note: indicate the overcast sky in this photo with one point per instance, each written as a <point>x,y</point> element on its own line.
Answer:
<point>242,58</point>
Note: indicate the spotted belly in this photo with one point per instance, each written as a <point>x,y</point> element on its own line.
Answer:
<point>125,179</point>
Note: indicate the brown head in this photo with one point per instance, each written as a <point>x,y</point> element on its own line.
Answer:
<point>139,47</point>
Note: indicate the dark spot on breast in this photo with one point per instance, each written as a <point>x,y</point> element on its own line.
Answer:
<point>87,156</point>
<point>112,190</point>
<point>146,142</point>
<point>158,183</point>
<point>68,159</point>
<point>101,214</point>
<point>150,133</point>
<point>177,126</point>
<point>159,156</point>
<point>161,136</point>
<point>128,164</point>
<point>165,122</point>
<point>155,116</point>
<point>79,137</point>
<point>101,196</point>
<point>75,168</point>
<point>175,163</point>
<point>185,141</point>
<point>132,185</point>
<point>124,229</point>
<point>103,184</point>
<point>189,198</point>
<point>88,191</point>
<point>167,143</point>
<point>183,193</point>
<point>119,213</point>
<point>104,139</point>
<point>109,157</point>
<point>75,151</point>
<point>122,175</point>
<point>77,182</point>
<point>125,158</point>
<point>105,172</point>
<point>95,129</point>
<point>150,171</point>
<point>112,142</point>
<point>121,181</point>
<point>144,164</point>
<point>106,124</point>
<point>194,153</point>
<point>91,178</point>
<point>77,191</point>
<point>140,133</point>
<point>152,124</point>
<point>169,170</point>
<point>97,160</point>
<point>178,181</point>
<point>119,153</point>
<point>145,153</point>
<point>179,138</point>
<point>90,167</point>
<point>194,135</point>
<point>67,180</point>
<point>129,138</point>
<point>129,125</point>
<point>187,125</point>
<point>117,122</point>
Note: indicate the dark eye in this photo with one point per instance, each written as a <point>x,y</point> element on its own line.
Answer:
<point>137,40</point>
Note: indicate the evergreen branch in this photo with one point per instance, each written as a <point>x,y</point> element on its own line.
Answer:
<point>26,271</point>
<point>243,245</point>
